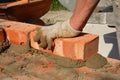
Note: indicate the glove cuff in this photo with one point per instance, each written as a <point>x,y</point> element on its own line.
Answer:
<point>71,29</point>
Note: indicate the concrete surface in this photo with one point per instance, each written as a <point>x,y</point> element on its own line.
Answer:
<point>103,4</point>
<point>108,46</point>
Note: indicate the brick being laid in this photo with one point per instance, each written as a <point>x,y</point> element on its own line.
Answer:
<point>77,48</point>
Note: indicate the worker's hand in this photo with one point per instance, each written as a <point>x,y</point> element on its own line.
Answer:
<point>46,35</point>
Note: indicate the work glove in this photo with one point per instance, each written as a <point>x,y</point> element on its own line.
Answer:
<point>45,35</point>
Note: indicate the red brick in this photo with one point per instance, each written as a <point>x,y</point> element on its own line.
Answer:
<point>17,32</point>
<point>2,36</point>
<point>80,48</point>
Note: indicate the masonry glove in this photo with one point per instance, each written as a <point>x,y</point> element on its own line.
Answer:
<point>46,35</point>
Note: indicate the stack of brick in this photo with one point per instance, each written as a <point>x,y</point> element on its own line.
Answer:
<point>78,48</point>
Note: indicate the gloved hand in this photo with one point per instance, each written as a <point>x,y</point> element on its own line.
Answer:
<point>46,35</point>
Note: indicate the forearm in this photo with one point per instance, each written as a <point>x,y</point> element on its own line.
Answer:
<point>82,12</point>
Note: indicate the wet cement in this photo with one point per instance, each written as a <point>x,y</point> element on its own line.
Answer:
<point>95,62</point>
<point>4,45</point>
<point>64,62</point>
<point>20,48</point>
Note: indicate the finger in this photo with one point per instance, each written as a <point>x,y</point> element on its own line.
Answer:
<point>38,35</point>
<point>43,42</point>
<point>50,43</point>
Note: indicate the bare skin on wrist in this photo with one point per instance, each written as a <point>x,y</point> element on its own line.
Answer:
<point>82,12</point>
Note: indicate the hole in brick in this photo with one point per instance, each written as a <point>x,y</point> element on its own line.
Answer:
<point>8,26</point>
<point>22,43</point>
<point>3,35</point>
